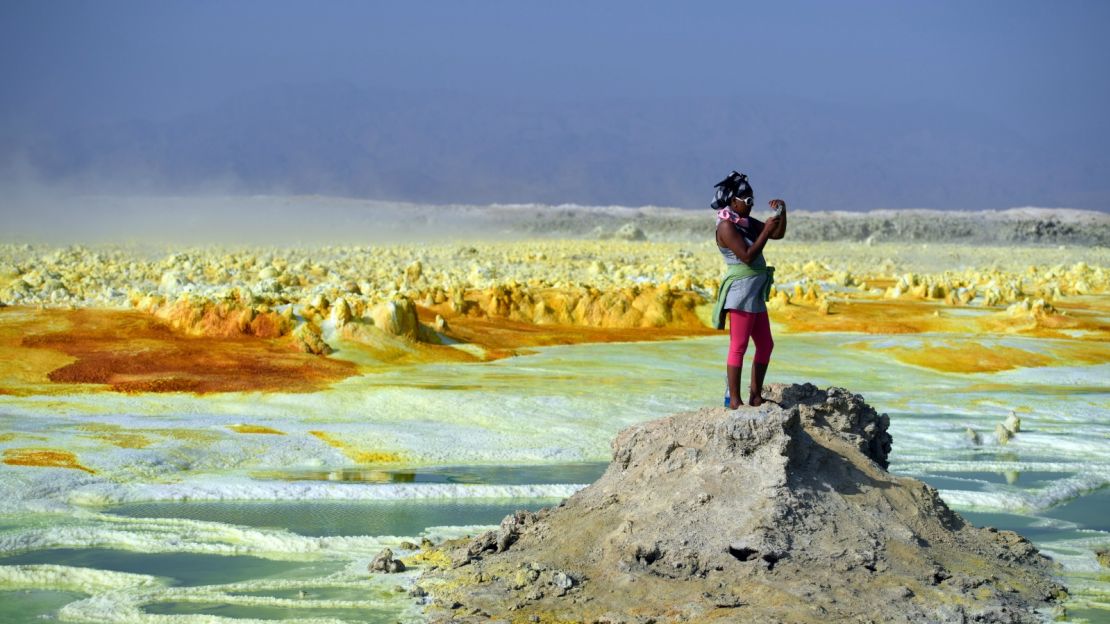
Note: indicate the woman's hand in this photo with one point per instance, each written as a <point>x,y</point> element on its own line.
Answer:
<point>777,223</point>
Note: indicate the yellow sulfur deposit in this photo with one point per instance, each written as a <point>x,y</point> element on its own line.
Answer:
<point>356,454</point>
<point>955,357</point>
<point>355,307</point>
<point>123,440</point>
<point>258,429</point>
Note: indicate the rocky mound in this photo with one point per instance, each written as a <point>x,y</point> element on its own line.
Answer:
<point>782,513</point>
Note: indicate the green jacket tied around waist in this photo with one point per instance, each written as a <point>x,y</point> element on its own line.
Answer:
<point>735,272</point>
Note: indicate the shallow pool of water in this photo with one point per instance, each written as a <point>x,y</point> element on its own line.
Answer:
<point>380,615</point>
<point>33,606</point>
<point>338,518</point>
<point>570,472</point>
<point>186,569</point>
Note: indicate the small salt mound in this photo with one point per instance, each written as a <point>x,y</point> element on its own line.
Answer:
<point>784,512</point>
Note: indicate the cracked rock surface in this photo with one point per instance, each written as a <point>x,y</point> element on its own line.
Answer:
<point>781,513</point>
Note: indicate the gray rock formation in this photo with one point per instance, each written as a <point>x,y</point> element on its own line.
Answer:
<point>384,562</point>
<point>782,513</point>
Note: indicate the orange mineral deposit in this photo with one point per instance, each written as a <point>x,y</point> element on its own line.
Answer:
<point>43,457</point>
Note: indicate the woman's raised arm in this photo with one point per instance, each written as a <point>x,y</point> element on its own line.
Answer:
<point>734,241</point>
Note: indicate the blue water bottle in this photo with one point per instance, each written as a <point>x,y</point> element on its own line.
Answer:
<point>728,397</point>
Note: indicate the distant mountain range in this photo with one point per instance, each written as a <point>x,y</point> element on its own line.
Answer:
<point>430,147</point>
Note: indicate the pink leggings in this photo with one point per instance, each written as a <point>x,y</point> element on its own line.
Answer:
<point>744,325</point>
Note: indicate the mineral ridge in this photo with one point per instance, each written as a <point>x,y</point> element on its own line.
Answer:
<point>782,513</point>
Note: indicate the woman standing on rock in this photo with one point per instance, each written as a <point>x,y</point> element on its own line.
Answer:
<point>746,285</point>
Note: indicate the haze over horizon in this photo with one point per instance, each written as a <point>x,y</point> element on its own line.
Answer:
<point>853,106</point>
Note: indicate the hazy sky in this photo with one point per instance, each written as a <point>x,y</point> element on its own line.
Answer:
<point>1038,68</point>
<point>1032,62</point>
